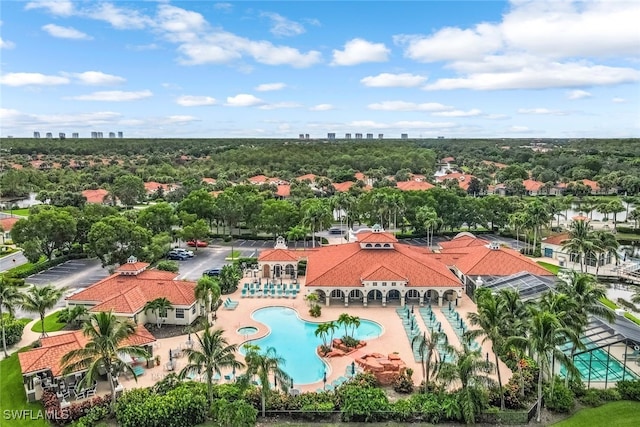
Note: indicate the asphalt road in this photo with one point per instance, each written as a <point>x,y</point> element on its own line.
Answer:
<point>13,260</point>
<point>212,257</point>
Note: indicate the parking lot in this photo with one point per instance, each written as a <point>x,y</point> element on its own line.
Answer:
<point>78,273</point>
<point>213,257</point>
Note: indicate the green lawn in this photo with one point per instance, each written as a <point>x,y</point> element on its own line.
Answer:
<point>614,414</point>
<point>551,267</point>
<point>612,305</point>
<point>19,212</point>
<point>51,324</point>
<point>633,318</point>
<point>13,397</point>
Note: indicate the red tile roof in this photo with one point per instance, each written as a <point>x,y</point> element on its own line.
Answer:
<point>591,184</point>
<point>381,273</point>
<point>376,237</point>
<point>153,186</point>
<point>532,185</point>
<point>282,255</point>
<point>284,190</point>
<point>47,357</point>
<point>127,294</point>
<point>311,177</point>
<point>95,196</point>
<point>132,266</point>
<point>556,239</point>
<point>448,160</point>
<point>462,178</point>
<point>8,223</point>
<point>483,261</point>
<point>359,176</point>
<point>343,186</point>
<point>414,185</point>
<point>347,264</point>
<point>463,241</point>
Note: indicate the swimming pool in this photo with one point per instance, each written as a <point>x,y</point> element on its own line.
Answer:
<point>598,363</point>
<point>295,341</point>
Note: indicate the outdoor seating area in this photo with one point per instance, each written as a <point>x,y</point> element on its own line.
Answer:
<point>229,304</point>
<point>66,388</point>
<point>412,330</point>
<point>458,324</point>
<point>270,289</point>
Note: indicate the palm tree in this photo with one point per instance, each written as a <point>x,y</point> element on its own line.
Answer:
<point>316,214</point>
<point>159,308</point>
<point>490,318</point>
<point>428,218</point>
<point>10,297</point>
<point>428,350</point>
<point>331,327</point>
<point>355,324</point>
<point>345,320</point>
<point>580,241</point>
<point>604,243</point>
<point>40,299</point>
<point>538,215</point>
<point>323,331</point>
<point>470,369</point>
<point>545,333</point>
<point>212,354</point>
<point>70,315</point>
<point>206,288</point>
<point>108,340</point>
<point>263,365</point>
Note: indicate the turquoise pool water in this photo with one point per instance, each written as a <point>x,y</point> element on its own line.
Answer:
<point>295,341</point>
<point>599,367</point>
<point>247,330</point>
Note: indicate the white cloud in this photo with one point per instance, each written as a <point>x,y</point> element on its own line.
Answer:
<point>119,18</point>
<point>451,43</point>
<point>6,44</point>
<point>495,116</point>
<point>243,100</point>
<point>358,51</point>
<point>578,94</point>
<point>114,96</point>
<point>543,75</point>
<point>195,101</point>
<point>618,100</point>
<point>404,124</point>
<point>225,7</point>
<point>266,87</point>
<point>223,47</point>
<point>55,7</point>
<point>178,119</point>
<point>458,113</point>
<point>393,80</point>
<point>32,79</point>
<point>97,78</point>
<point>281,26</point>
<point>322,107</point>
<point>280,105</point>
<point>519,129</point>
<point>542,111</point>
<point>142,47</point>
<point>180,25</point>
<point>408,106</point>
<point>65,32</point>
<point>14,118</point>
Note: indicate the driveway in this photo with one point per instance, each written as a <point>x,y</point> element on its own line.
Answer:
<point>13,260</point>
<point>214,256</point>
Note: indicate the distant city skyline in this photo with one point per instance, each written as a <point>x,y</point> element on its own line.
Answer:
<point>458,69</point>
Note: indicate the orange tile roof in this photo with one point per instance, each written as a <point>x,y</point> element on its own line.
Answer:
<point>8,223</point>
<point>284,190</point>
<point>127,294</point>
<point>462,178</point>
<point>556,239</point>
<point>532,185</point>
<point>448,160</point>
<point>95,196</point>
<point>281,255</point>
<point>463,242</point>
<point>347,264</point>
<point>259,179</point>
<point>381,273</point>
<point>482,261</point>
<point>152,186</point>
<point>359,176</point>
<point>311,177</point>
<point>414,185</point>
<point>376,237</point>
<point>47,357</point>
<point>133,266</point>
<point>343,186</point>
<point>591,184</point>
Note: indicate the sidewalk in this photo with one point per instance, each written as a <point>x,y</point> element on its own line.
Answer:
<point>29,337</point>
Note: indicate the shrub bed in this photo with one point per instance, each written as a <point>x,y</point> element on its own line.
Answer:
<point>74,412</point>
<point>13,329</point>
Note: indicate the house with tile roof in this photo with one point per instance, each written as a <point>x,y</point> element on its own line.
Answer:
<point>132,285</point>
<point>414,185</point>
<point>476,261</point>
<point>95,196</point>
<point>43,362</point>
<point>463,179</point>
<point>6,225</point>
<point>375,269</point>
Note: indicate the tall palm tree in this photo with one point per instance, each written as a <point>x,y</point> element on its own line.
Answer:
<point>580,241</point>
<point>470,370</point>
<point>323,332</point>
<point>355,324</point>
<point>345,320</point>
<point>546,331</point>
<point>490,318</point>
<point>10,297</point>
<point>159,308</point>
<point>108,340</point>
<point>212,354</point>
<point>428,218</point>
<point>39,299</point>
<point>429,354</point>
<point>263,365</point>
<point>206,288</point>
<point>538,215</point>
<point>331,327</point>
<point>604,242</point>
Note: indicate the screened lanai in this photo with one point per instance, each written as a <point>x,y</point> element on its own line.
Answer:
<point>529,285</point>
<point>611,353</point>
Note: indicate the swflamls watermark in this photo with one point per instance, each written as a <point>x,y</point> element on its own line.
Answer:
<point>35,414</point>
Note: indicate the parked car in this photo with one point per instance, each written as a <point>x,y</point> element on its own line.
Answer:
<point>197,243</point>
<point>212,272</point>
<point>335,230</point>
<point>177,256</point>
<point>183,251</point>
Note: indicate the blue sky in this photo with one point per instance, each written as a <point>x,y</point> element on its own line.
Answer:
<point>541,68</point>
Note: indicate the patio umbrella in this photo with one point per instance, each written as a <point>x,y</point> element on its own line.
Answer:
<point>233,371</point>
<point>170,356</point>
<point>291,382</point>
<point>449,305</point>
<point>408,314</point>
<point>324,379</point>
<point>412,309</point>
<point>353,368</point>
